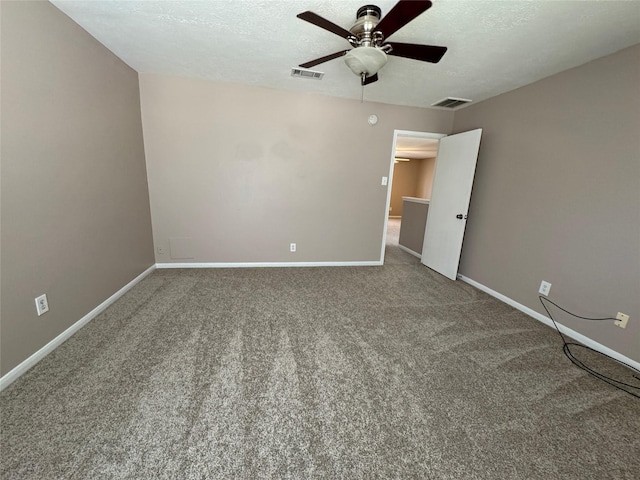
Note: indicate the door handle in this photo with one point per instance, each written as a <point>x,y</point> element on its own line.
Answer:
<point>461,216</point>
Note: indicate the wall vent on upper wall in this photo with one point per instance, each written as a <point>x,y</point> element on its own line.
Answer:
<point>304,73</point>
<point>451,102</point>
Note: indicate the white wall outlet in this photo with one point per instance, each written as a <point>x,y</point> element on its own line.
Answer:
<point>292,247</point>
<point>623,318</point>
<point>160,249</point>
<point>544,289</point>
<point>42,304</point>
<point>385,180</point>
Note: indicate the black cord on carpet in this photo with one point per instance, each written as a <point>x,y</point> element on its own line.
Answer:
<point>620,385</point>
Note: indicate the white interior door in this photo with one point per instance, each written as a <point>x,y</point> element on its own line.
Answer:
<point>450,196</point>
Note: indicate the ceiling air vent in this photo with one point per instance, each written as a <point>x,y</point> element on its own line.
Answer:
<point>304,73</point>
<point>451,102</point>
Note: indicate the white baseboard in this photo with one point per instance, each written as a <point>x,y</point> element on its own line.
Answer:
<point>13,374</point>
<point>547,321</point>
<point>269,264</point>
<point>408,250</point>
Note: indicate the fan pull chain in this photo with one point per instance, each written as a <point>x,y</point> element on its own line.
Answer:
<point>363,77</point>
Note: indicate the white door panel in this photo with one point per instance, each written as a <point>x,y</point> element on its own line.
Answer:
<point>450,196</point>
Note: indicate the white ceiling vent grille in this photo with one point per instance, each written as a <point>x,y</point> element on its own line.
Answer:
<point>451,102</point>
<point>304,73</point>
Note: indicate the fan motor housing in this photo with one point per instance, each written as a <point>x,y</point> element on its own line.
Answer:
<point>367,18</point>
<point>369,10</point>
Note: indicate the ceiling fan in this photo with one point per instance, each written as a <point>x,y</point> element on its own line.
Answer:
<point>368,37</point>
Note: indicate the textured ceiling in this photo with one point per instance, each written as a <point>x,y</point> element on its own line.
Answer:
<point>494,46</point>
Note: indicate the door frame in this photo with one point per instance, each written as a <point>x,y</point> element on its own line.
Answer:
<point>396,134</point>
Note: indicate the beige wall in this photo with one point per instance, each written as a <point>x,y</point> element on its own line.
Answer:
<point>414,222</point>
<point>556,195</point>
<point>236,173</point>
<point>405,184</point>
<point>425,177</point>
<point>411,179</point>
<point>75,211</point>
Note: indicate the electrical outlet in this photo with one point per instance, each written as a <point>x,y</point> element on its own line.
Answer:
<point>292,247</point>
<point>42,304</point>
<point>623,318</point>
<point>544,289</point>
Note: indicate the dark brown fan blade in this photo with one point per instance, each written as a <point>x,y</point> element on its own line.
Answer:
<point>425,53</point>
<point>401,14</point>
<point>320,60</point>
<point>370,79</point>
<point>324,23</point>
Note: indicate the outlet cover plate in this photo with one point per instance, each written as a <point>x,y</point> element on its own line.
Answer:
<point>545,288</point>
<point>622,319</point>
<point>42,304</point>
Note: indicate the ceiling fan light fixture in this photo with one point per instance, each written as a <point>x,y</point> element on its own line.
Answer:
<point>367,37</point>
<point>366,60</point>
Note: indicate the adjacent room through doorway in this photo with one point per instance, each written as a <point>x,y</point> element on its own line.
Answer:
<point>412,169</point>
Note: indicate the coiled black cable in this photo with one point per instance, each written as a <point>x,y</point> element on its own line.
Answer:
<point>620,385</point>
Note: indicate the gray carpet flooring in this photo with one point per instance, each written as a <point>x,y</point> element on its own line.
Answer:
<point>315,373</point>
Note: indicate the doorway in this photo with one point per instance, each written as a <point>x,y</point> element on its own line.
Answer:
<point>408,146</point>
<point>445,217</point>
